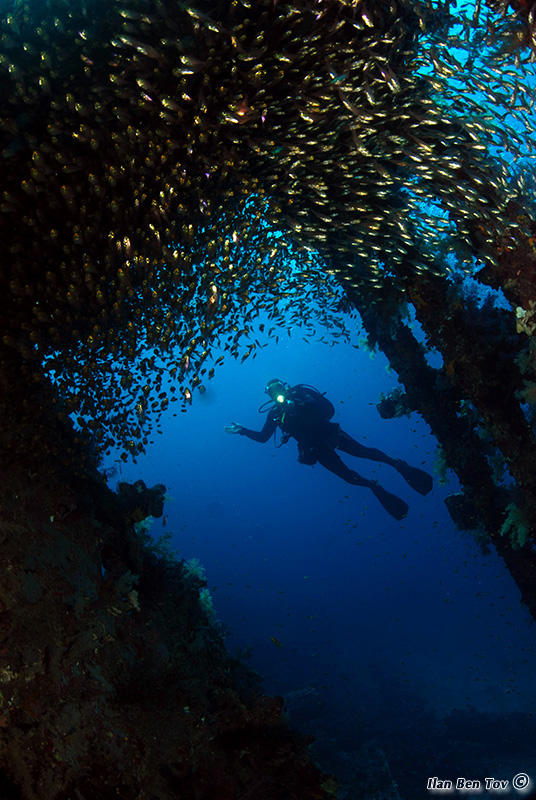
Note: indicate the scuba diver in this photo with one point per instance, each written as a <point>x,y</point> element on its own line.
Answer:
<point>303,413</point>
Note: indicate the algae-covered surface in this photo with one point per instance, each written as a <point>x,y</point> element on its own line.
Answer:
<point>115,681</point>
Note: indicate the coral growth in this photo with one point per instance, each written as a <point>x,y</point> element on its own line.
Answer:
<point>115,682</point>
<point>516,526</point>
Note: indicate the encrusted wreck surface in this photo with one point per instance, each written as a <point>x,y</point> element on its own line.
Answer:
<point>115,681</point>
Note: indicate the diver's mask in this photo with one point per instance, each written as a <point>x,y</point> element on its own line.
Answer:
<point>278,391</point>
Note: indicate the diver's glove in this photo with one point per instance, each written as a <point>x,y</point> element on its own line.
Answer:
<point>234,427</point>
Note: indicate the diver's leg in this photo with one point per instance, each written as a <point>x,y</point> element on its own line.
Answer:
<point>353,448</point>
<point>330,460</point>
<point>392,504</point>
<point>418,479</point>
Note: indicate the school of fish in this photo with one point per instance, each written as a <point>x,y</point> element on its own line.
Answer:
<point>169,172</point>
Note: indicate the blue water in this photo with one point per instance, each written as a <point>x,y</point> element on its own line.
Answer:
<point>373,619</point>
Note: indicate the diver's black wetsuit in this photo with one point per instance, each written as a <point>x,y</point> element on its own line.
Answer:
<point>318,441</point>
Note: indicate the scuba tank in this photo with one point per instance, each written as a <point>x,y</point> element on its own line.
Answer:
<point>304,402</point>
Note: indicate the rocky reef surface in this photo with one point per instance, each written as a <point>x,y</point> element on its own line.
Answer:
<point>114,678</point>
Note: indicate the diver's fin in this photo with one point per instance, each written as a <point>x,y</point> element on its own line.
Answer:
<point>394,506</point>
<point>418,479</point>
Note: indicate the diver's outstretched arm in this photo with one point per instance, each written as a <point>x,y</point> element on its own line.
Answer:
<point>258,436</point>
<point>394,506</point>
